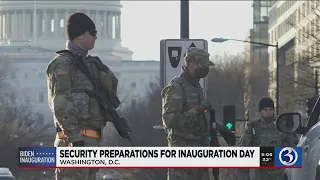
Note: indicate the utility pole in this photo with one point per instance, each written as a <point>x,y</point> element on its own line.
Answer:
<point>277,79</point>
<point>184,19</point>
<point>316,84</point>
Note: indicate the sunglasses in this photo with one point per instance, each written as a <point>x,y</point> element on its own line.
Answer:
<point>93,32</point>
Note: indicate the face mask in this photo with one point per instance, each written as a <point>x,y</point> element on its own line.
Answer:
<point>201,72</point>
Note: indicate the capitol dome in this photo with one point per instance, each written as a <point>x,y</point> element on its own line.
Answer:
<point>42,24</point>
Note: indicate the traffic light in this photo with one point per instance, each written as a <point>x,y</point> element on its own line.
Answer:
<point>310,104</point>
<point>229,117</point>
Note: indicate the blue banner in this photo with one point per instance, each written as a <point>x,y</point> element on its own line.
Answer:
<point>288,157</point>
<point>37,157</point>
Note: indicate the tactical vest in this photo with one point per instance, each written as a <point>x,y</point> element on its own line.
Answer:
<point>267,134</point>
<point>192,96</point>
<point>92,74</point>
<point>108,80</point>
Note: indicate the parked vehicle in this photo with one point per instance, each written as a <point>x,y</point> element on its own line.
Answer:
<point>290,123</point>
<point>5,174</point>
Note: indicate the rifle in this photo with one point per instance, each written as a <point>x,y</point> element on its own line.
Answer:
<point>253,136</point>
<point>119,122</point>
<point>108,101</point>
<point>213,130</point>
<point>214,139</point>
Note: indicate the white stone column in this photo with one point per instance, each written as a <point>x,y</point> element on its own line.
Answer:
<point>12,20</point>
<point>19,25</point>
<point>46,23</point>
<point>62,29</point>
<point>8,24</point>
<point>104,18</point>
<point>29,25</point>
<point>66,17</point>
<point>92,16</point>
<point>25,28</point>
<point>118,26</point>
<point>56,23</point>
<point>14,25</point>
<point>115,25</point>
<point>1,24</point>
<point>97,21</point>
<point>35,23</point>
<point>110,25</point>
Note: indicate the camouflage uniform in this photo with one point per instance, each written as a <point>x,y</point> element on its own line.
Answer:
<point>185,128</point>
<point>265,134</point>
<point>77,115</point>
<point>71,74</point>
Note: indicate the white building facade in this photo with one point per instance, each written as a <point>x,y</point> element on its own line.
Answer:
<point>31,32</point>
<point>41,22</point>
<point>294,44</point>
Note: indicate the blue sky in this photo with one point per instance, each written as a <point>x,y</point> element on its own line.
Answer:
<point>145,23</point>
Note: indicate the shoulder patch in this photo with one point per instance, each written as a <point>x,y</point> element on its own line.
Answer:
<point>61,70</point>
<point>170,88</point>
<point>59,64</point>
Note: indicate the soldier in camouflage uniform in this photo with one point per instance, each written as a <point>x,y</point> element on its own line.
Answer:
<point>262,132</point>
<point>183,111</point>
<point>78,117</point>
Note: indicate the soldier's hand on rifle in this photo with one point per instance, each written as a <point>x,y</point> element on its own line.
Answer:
<point>205,105</point>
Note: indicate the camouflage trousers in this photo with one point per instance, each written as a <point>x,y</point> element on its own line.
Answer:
<point>266,174</point>
<point>187,174</point>
<point>76,173</point>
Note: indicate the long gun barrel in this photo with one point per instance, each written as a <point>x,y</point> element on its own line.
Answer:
<point>108,101</point>
<point>119,122</point>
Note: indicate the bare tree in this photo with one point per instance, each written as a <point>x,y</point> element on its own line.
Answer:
<point>226,83</point>
<point>226,86</point>
<point>5,70</point>
<point>19,127</point>
<point>141,117</point>
<point>256,86</point>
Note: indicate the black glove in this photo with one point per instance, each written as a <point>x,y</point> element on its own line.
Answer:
<point>78,143</point>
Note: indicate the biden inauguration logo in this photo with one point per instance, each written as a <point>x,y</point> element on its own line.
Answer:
<point>288,156</point>
<point>37,157</point>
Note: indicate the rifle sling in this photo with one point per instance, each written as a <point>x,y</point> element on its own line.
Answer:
<point>95,94</point>
<point>91,93</point>
<point>77,60</point>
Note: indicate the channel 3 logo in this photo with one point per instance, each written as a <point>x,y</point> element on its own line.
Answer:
<point>288,156</point>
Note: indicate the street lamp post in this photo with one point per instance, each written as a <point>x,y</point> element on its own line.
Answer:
<point>221,40</point>
<point>184,19</point>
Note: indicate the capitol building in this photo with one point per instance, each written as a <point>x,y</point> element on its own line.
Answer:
<point>32,31</point>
